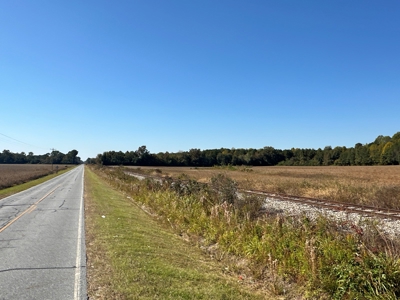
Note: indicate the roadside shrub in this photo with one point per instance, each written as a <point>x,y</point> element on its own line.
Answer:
<point>224,189</point>
<point>369,277</point>
<point>249,206</point>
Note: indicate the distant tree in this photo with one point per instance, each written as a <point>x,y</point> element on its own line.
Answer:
<point>318,158</point>
<point>347,158</point>
<point>336,152</point>
<point>99,159</point>
<point>70,157</point>
<point>131,158</point>
<point>362,155</point>
<point>384,150</point>
<point>196,157</point>
<point>210,157</point>
<point>117,158</point>
<point>396,137</point>
<point>288,154</point>
<point>7,157</point>
<point>375,153</point>
<point>143,156</point>
<point>56,157</point>
<point>328,156</point>
<point>270,156</point>
<point>224,157</point>
<point>388,156</point>
<point>381,140</point>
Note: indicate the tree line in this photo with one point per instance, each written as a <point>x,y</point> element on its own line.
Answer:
<point>55,157</point>
<point>385,150</point>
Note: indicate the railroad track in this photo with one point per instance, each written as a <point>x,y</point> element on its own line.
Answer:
<point>364,210</point>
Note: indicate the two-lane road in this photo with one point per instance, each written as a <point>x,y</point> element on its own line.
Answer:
<point>42,245</point>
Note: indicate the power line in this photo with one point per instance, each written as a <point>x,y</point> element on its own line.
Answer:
<point>20,141</point>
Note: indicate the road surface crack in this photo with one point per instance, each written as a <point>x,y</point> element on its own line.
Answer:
<point>62,204</point>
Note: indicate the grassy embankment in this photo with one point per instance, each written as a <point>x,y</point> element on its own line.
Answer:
<point>330,260</point>
<point>29,178</point>
<point>131,256</point>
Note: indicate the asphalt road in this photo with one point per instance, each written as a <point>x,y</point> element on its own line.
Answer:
<point>42,242</point>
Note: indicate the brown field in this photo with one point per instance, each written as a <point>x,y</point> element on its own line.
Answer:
<point>373,185</point>
<point>13,174</point>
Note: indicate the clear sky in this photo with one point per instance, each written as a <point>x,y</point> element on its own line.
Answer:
<point>100,75</point>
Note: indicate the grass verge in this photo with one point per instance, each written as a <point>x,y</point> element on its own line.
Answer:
<point>22,187</point>
<point>130,256</point>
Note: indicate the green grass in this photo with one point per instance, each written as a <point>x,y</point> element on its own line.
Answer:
<point>131,256</point>
<point>22,187</point>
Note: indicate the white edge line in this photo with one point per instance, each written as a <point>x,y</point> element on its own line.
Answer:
<point>77,289</point>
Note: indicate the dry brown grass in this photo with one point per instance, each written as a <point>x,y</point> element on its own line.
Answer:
<point>12,174</point>
<point>374,185</point>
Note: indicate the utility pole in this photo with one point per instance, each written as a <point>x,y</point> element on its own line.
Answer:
<point>52,158</point>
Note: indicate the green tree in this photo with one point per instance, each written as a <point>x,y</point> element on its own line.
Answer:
<point>224,157</point>
<point>144,157</point>
<point>7,157</point>
<point>196,157</point>
<point>382,140</point>
<point>388,156</point>
<point>396,137</point>
<point>362,156</point>
<point>318,158</point>
<point>328,156</point>
<point>70,157</point>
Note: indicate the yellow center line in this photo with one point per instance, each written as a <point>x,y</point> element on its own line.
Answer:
<point>29,209</point>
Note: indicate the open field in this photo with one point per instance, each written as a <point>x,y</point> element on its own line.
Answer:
<point>373,185</point>
<point>14,174</point>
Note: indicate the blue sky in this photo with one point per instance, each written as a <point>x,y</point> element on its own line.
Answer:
<point>174,75</point>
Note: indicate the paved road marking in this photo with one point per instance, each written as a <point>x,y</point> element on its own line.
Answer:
<point>77,290</point>
<point>29,209</point>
